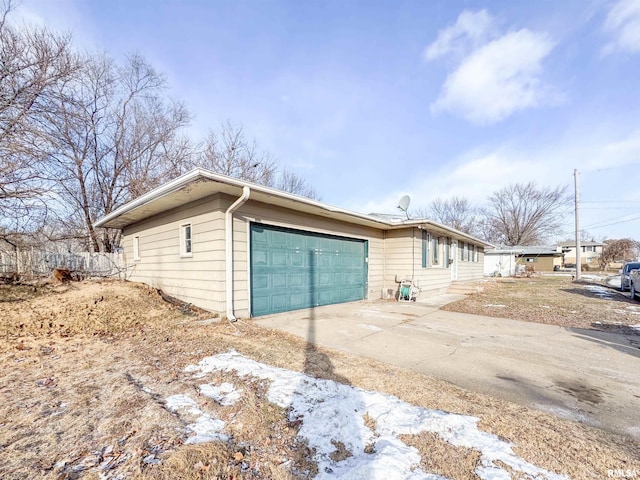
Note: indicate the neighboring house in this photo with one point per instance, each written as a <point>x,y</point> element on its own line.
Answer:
<point>242,249</point>
<point>590,252</point>
<point>500,262</point>
<point>541,258</point>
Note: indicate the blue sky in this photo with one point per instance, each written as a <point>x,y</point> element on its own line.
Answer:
<point>370,100</point>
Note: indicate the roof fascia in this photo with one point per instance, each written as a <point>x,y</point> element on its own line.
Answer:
<point>199,173</point>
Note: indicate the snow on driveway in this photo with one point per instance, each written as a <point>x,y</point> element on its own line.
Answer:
<point>333,414</point>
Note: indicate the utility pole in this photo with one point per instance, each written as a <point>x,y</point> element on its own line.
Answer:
<point>578,252</point>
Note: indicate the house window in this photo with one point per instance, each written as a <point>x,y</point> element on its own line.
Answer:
<point>431,250</point>
<point>435,251</point>
<point>185,240</point>
<point>424,249</point>
<point>447,252</point>
<point>136,248</point>
<point>465,252</point>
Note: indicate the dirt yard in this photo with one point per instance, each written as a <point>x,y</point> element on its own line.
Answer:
<point>87,368</point>
<point>555,300</point>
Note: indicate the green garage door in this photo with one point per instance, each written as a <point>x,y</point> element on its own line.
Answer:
<point>293,269</point>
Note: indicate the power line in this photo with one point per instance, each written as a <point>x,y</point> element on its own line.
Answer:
<point>613,168</point>
<point>609,208</point>
<point>609,219</point>
<point>610,201</point>
<point>617,223</point>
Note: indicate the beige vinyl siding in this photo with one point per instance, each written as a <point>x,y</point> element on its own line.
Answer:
<point>270,215</point>
<point>400,251</point>
<point>403,253</point>
<point>198,279</point>
<point>470,270</point>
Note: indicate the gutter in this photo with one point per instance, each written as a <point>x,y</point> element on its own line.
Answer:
<point>228,244</point>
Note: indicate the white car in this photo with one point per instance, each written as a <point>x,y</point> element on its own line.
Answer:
<point>625,284</point>
<point>634,280</point>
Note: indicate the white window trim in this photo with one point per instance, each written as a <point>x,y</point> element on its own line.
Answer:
<point>136,248</point>
<point>183,243</point>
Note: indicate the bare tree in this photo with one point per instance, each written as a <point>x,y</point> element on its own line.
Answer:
<point>34,63</point>
<point>288,181</point>
<point>524,214</point>
<point>456,212</point>
<point>620,250</point>
<point>112,138</point>
<point>229,152</point>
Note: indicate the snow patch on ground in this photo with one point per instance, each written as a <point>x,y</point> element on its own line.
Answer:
<point>635,327</point>
<point>602,292</point>
<point>177,403</point>
<point>594,278</point>
<point>494,305</point>
<point>373,328</point>
<point>332,413</point>
<point>225,394</point>
<point>205,428</point>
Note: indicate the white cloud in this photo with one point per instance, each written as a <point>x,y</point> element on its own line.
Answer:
<point>470,30</point>
<point>623,22</point>
<point>615,153</point>
<point>497,79</point>
<point>62,16</point>
<point>496,75</point>
<point>603,159</point>
<point>475,176</point>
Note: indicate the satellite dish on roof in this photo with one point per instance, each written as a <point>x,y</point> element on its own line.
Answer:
<point>403,204</point>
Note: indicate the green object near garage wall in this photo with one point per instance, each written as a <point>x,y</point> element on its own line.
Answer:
<point>294,269</point>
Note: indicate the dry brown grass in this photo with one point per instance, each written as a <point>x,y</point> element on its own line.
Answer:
<point>90,390</point>
<point>555,300</point>
<point>442,458</point>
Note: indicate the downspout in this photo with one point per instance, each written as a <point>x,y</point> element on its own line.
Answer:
<point>228,244</point>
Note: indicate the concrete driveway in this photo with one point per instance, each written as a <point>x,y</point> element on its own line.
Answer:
<point>584,375</point>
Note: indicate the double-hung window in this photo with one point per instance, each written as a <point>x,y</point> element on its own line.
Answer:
<point>447,252</point>
<point>432,250</point>
<point>465,252</point>
<point>185,240</point>
<point>425,248</point>
<point>435,251</point>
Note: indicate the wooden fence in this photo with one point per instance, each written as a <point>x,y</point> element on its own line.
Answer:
<point>38,263</point>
